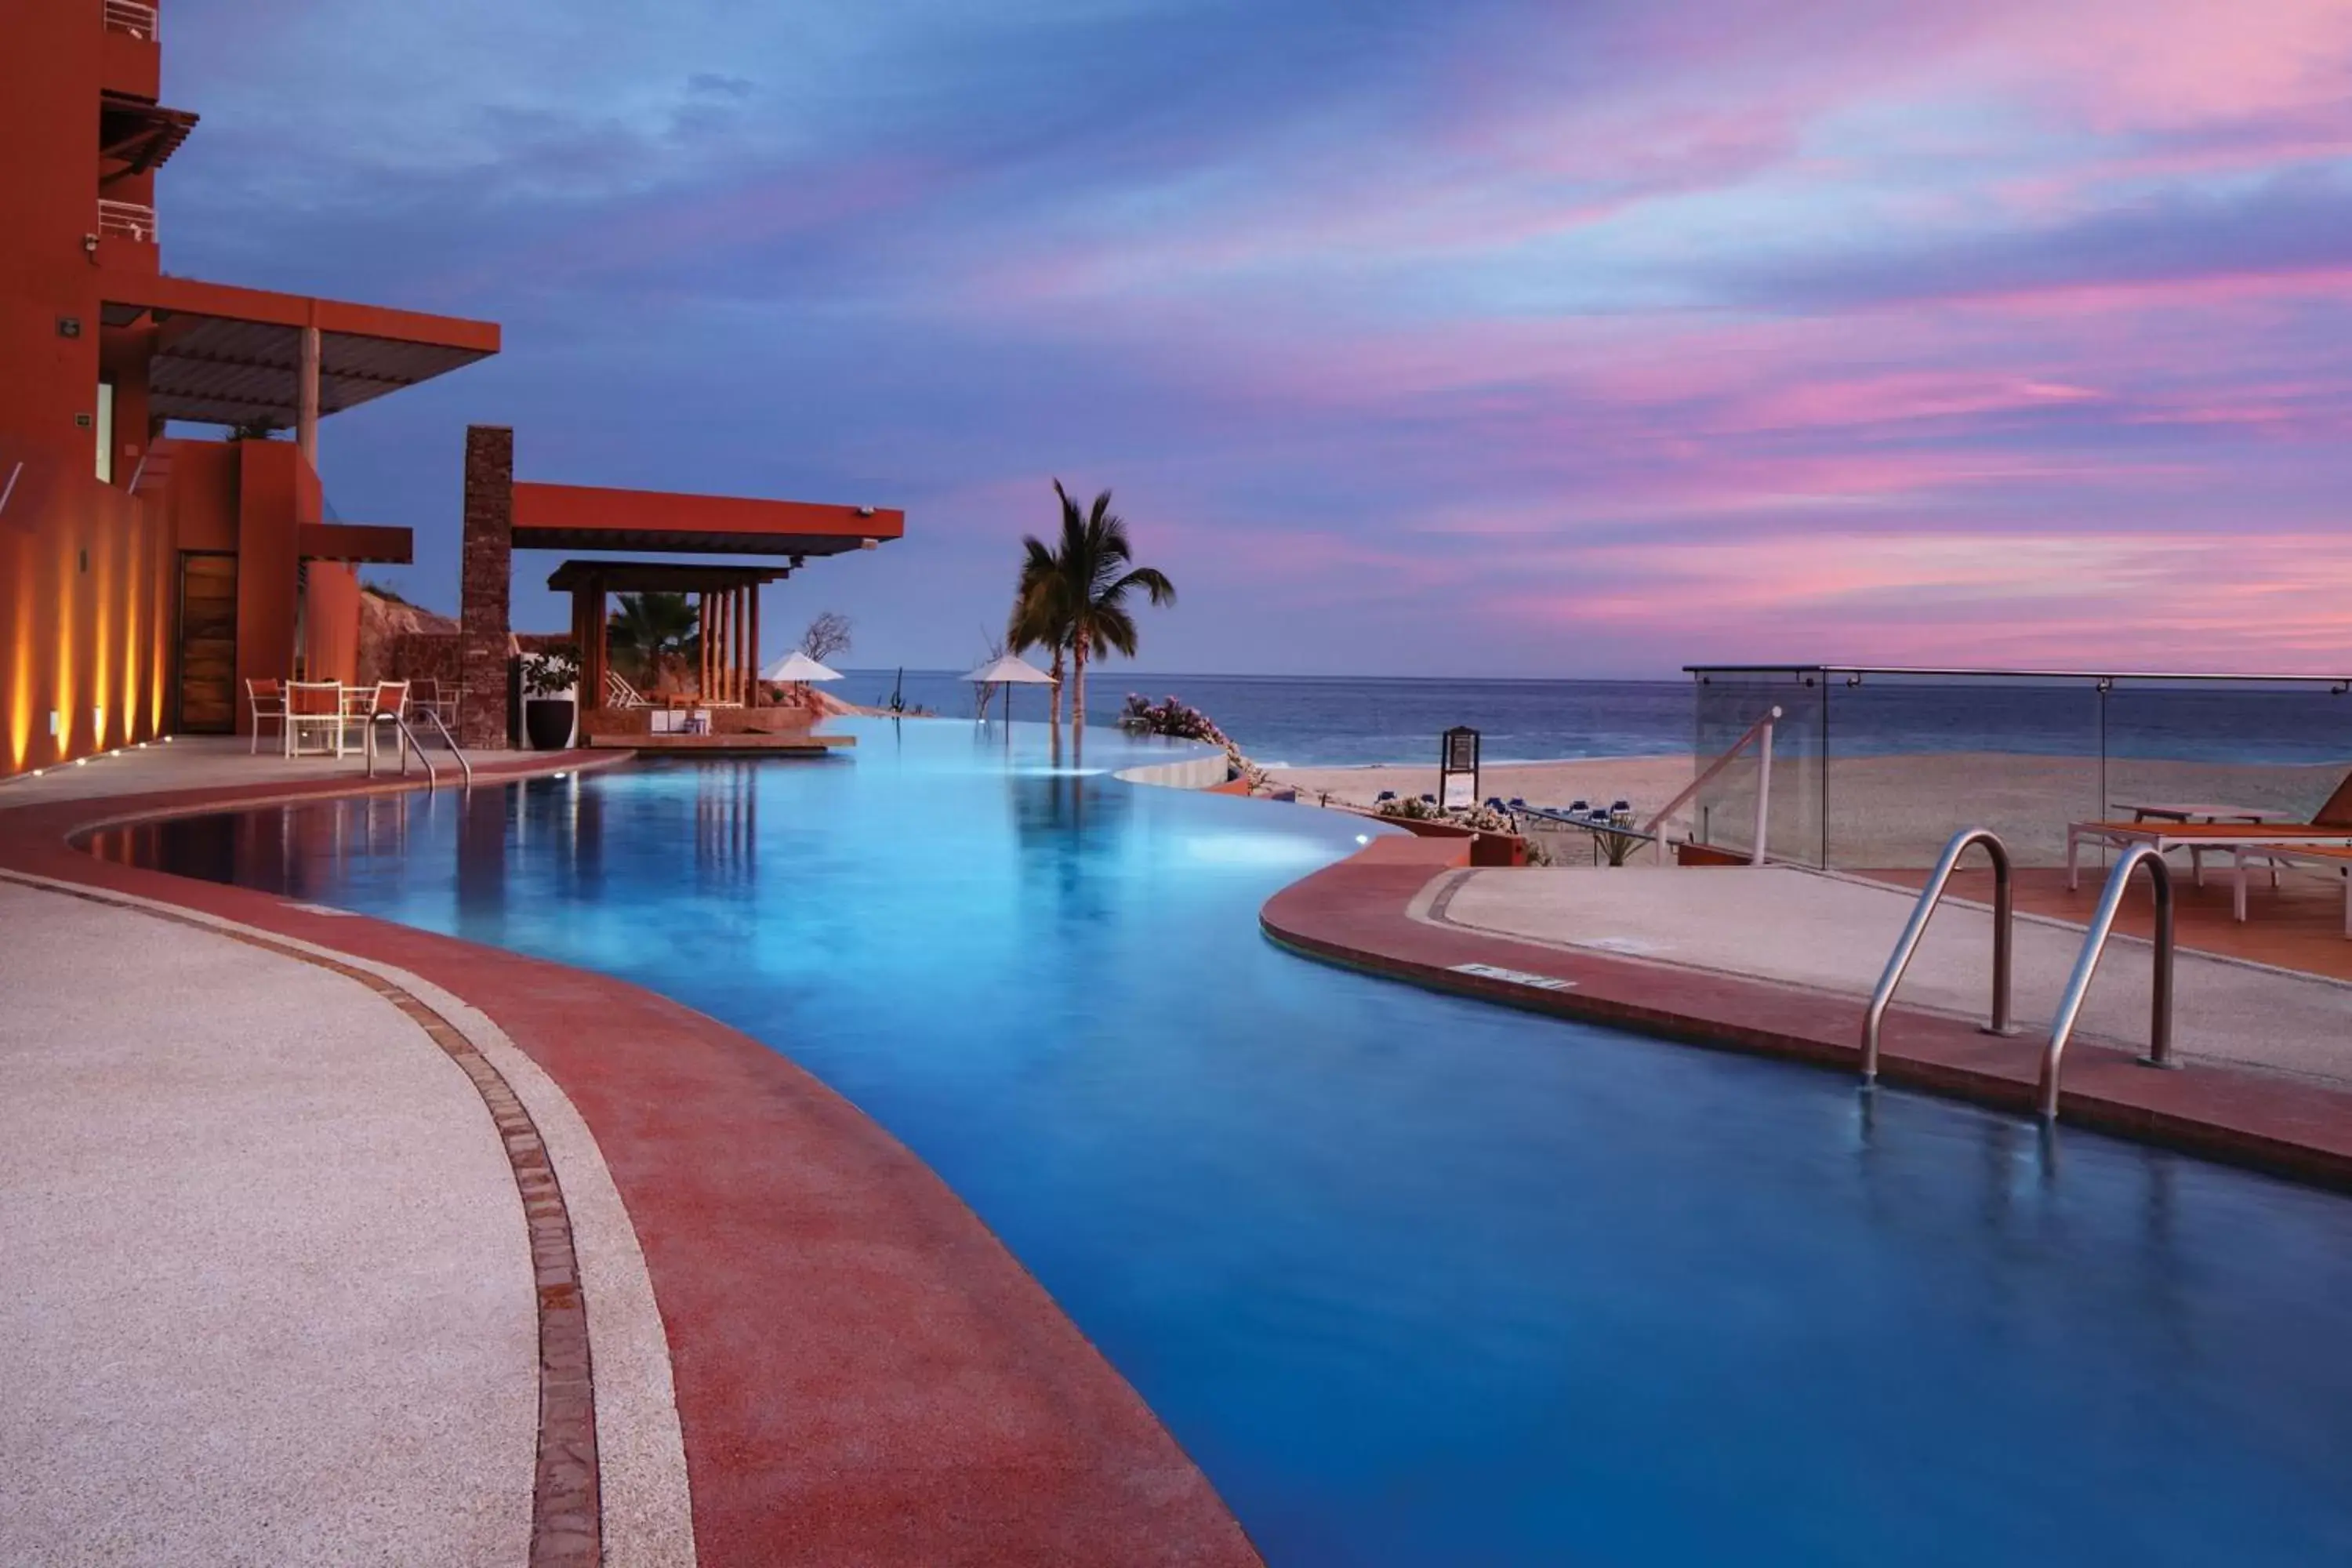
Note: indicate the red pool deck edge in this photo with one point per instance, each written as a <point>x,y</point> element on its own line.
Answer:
<point>1356,914</point>
<point>864,1373</point>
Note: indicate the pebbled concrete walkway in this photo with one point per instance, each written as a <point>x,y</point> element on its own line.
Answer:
<point>269,1297</point>
<point>1831,933</point>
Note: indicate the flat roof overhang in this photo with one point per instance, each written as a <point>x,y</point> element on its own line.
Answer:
<point>373,544</point>
<point>661,576</point>
<point>225,355</point>
<point>586,517</point>
<point>136,134</point>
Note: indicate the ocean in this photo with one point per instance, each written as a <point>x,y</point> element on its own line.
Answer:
<point>1331,721</point>
<point>1314,722</point>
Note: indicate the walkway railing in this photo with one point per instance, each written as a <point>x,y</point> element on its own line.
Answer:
<point>127,220</point>
<point>130,16</point>
<point>2094,944</point>
<point>1760,734</point>
<point>1874,767</point>
<point>2004,940</point>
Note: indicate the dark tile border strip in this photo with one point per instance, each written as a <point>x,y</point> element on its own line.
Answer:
<point>566,1507</point>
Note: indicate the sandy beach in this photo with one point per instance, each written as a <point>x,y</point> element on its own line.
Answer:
<point>1879,812</point>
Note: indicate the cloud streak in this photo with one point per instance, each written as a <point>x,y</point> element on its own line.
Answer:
<point>1551,338</point>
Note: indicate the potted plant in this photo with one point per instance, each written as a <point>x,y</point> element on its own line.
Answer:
<point>549,680</point>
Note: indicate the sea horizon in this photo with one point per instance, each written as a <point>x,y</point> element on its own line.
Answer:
<point>1326,722</point>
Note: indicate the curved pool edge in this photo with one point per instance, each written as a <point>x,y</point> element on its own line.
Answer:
<point>1359,914</point>
<point>863,1370</point>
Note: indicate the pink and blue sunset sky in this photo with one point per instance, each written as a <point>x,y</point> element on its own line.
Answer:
<point>1474,337</point>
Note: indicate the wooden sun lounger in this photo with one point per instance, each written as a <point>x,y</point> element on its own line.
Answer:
<point>2329,856</point>
<point>2244,843</point>
<point>2325,840</point>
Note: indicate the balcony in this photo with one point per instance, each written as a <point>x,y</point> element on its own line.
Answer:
<point>127,220</point>
<point>130,16</point>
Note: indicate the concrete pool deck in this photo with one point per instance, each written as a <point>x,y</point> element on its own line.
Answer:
<point>836,1361</point>
<point>235,1241</point>
<point>1753,961</point>
<point>1829,933</point>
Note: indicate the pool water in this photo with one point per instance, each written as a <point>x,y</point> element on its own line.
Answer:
<point>1418,1281</point>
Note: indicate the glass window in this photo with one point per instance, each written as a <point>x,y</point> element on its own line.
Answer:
<point>106,432</point>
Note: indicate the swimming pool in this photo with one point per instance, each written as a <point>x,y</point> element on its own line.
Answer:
<point>1418,1281</point>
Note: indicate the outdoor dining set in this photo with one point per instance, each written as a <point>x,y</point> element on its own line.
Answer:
<point>331,719</point>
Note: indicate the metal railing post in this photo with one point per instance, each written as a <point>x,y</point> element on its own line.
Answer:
<point>2004,923</point>
<point>2094,944</point>
<point>1763,785</point>
<point>1762,728</point>
<point>463,767</point>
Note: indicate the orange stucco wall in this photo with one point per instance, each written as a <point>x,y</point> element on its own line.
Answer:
<point>204,494</point>
<point>85,622</point>
<point>330,626</point>
<point>49,72</point>
<point>89,575</point>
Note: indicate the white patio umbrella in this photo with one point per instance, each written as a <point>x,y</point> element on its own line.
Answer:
<point>798,666</point>
<point>1009,670</point>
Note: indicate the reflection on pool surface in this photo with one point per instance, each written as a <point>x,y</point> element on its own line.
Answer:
<point>1418,1281</point>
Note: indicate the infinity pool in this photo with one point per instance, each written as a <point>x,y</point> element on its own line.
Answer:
<point>1418,1281</point>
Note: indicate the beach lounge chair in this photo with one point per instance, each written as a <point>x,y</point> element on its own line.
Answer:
<point>2321,840</point>
<point>267,699</point>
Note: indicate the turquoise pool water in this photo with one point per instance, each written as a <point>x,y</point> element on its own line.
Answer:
<point>1418,1281</point>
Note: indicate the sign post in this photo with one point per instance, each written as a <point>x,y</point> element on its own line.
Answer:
<point>1457,768</point>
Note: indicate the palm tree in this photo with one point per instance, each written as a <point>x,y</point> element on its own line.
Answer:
<point>1075,595</point>
<point>1040,615</point>
<point>651,629</point>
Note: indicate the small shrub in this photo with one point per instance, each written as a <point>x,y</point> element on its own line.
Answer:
<point>552,671</point>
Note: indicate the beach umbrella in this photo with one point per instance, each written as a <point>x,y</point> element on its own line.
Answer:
<point>798,666</point>
<point>1009,670</point>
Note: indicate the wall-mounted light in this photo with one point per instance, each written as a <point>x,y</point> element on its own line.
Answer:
<point>870,545</point>
<point>866,512</point>
<point>89,246</point>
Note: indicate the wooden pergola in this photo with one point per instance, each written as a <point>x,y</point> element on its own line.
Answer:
<point>727,605</point>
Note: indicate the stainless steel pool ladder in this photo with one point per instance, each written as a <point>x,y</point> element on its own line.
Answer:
<point>2004,929</point>
<point>2094,944</point>
<point>410,742</point>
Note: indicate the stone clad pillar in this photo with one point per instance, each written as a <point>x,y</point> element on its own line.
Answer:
<point>485,583</point>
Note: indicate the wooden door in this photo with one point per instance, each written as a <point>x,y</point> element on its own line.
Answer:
<point>208,694</point>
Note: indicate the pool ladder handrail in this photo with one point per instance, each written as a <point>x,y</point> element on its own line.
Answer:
<point>2005,930</point>
<point>463,767</point>
<point>2094,944</point>
<point>410,742</point>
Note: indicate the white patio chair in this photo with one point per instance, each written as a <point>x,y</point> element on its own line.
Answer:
<point>267,701</point>
<point>387,703</point>
<point>314,714</point>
